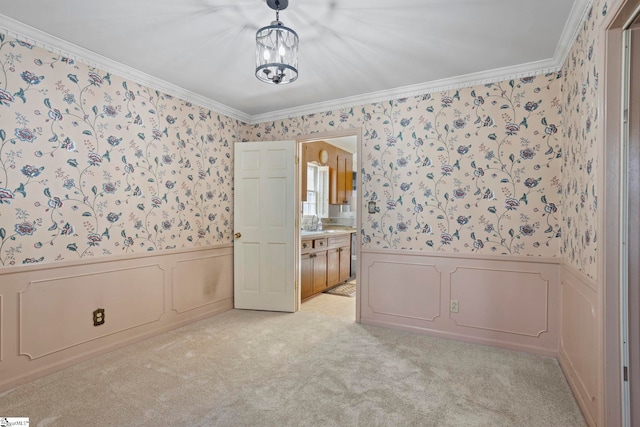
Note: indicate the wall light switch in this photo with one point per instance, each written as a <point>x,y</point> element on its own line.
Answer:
<point>372,207</point>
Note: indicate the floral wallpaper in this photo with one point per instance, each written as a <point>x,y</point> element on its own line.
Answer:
<point>94,165</point>
<point>474,170</point>
<point>580,94</point>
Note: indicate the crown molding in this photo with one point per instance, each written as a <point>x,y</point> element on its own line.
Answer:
<point>571,29</point>
<point>57,45</point>
<point>467,80</point>
<point>47,41</point>
<point>569,34</point>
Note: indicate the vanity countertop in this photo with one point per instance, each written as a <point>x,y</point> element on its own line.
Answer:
<point>307,235</point>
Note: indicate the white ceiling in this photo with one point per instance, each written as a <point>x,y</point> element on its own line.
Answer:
<point>350,50</point>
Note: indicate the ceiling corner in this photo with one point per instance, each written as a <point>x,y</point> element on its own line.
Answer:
<point>59,46</point>
<point>571,30</point>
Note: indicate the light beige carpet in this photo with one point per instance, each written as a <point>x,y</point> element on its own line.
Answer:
<point>245,368</point>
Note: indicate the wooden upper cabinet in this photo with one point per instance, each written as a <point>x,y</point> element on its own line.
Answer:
<point>341,178</point>
<point>343,175</point>
<point>333,187</point>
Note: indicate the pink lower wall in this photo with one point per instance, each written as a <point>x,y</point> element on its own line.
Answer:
<point>47,312</point>
<point>580,351</point>
<point>521,303</point>
<point>537,305</point>
<point>510,302</point>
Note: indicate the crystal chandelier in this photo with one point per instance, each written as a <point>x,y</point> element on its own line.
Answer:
<point>277,49</point>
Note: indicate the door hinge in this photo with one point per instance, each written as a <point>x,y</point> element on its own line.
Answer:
<point>625,117</point>
<point>625,373</point>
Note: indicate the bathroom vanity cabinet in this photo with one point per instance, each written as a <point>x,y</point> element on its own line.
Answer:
<point>325,261</point>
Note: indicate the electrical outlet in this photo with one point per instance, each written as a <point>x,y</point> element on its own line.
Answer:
<point>454,306</point>
<point>98,317</point>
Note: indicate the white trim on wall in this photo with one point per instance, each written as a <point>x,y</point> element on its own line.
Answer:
<point>47,41</point>
<point>107,259</point>
<point>452,83</point>
<point>572,28</point>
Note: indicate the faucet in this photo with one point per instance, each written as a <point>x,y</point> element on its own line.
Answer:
<point>310,225</point>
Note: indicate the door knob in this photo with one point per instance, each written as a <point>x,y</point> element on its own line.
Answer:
<point>237,235</point>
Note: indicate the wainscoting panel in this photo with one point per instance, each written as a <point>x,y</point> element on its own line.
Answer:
<point>475,289</point>
<point>422,282</point>
<point>121,299</point>
<point>511,302</point>
<point>579,345</point>
<point>199,282</point>
<point>55,315</point>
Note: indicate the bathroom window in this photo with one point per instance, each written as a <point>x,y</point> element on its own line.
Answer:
<point>317,191</point>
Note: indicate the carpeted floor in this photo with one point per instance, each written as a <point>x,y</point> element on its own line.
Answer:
<point>246,368</point>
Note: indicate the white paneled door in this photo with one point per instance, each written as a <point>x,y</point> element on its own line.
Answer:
<point>264,226</point>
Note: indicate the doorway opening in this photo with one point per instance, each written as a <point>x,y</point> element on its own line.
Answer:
<point>619,258</point>
<point>630,272</point>
<point>329,220</point>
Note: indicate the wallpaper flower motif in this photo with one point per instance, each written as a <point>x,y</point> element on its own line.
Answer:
<point>580,93</point>
<point>469,170</point>
<point>91,164</point>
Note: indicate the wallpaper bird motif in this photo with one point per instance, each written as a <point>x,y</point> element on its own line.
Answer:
<point>94,165</point>
<point>580,94</point>
<point>473,170</point>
